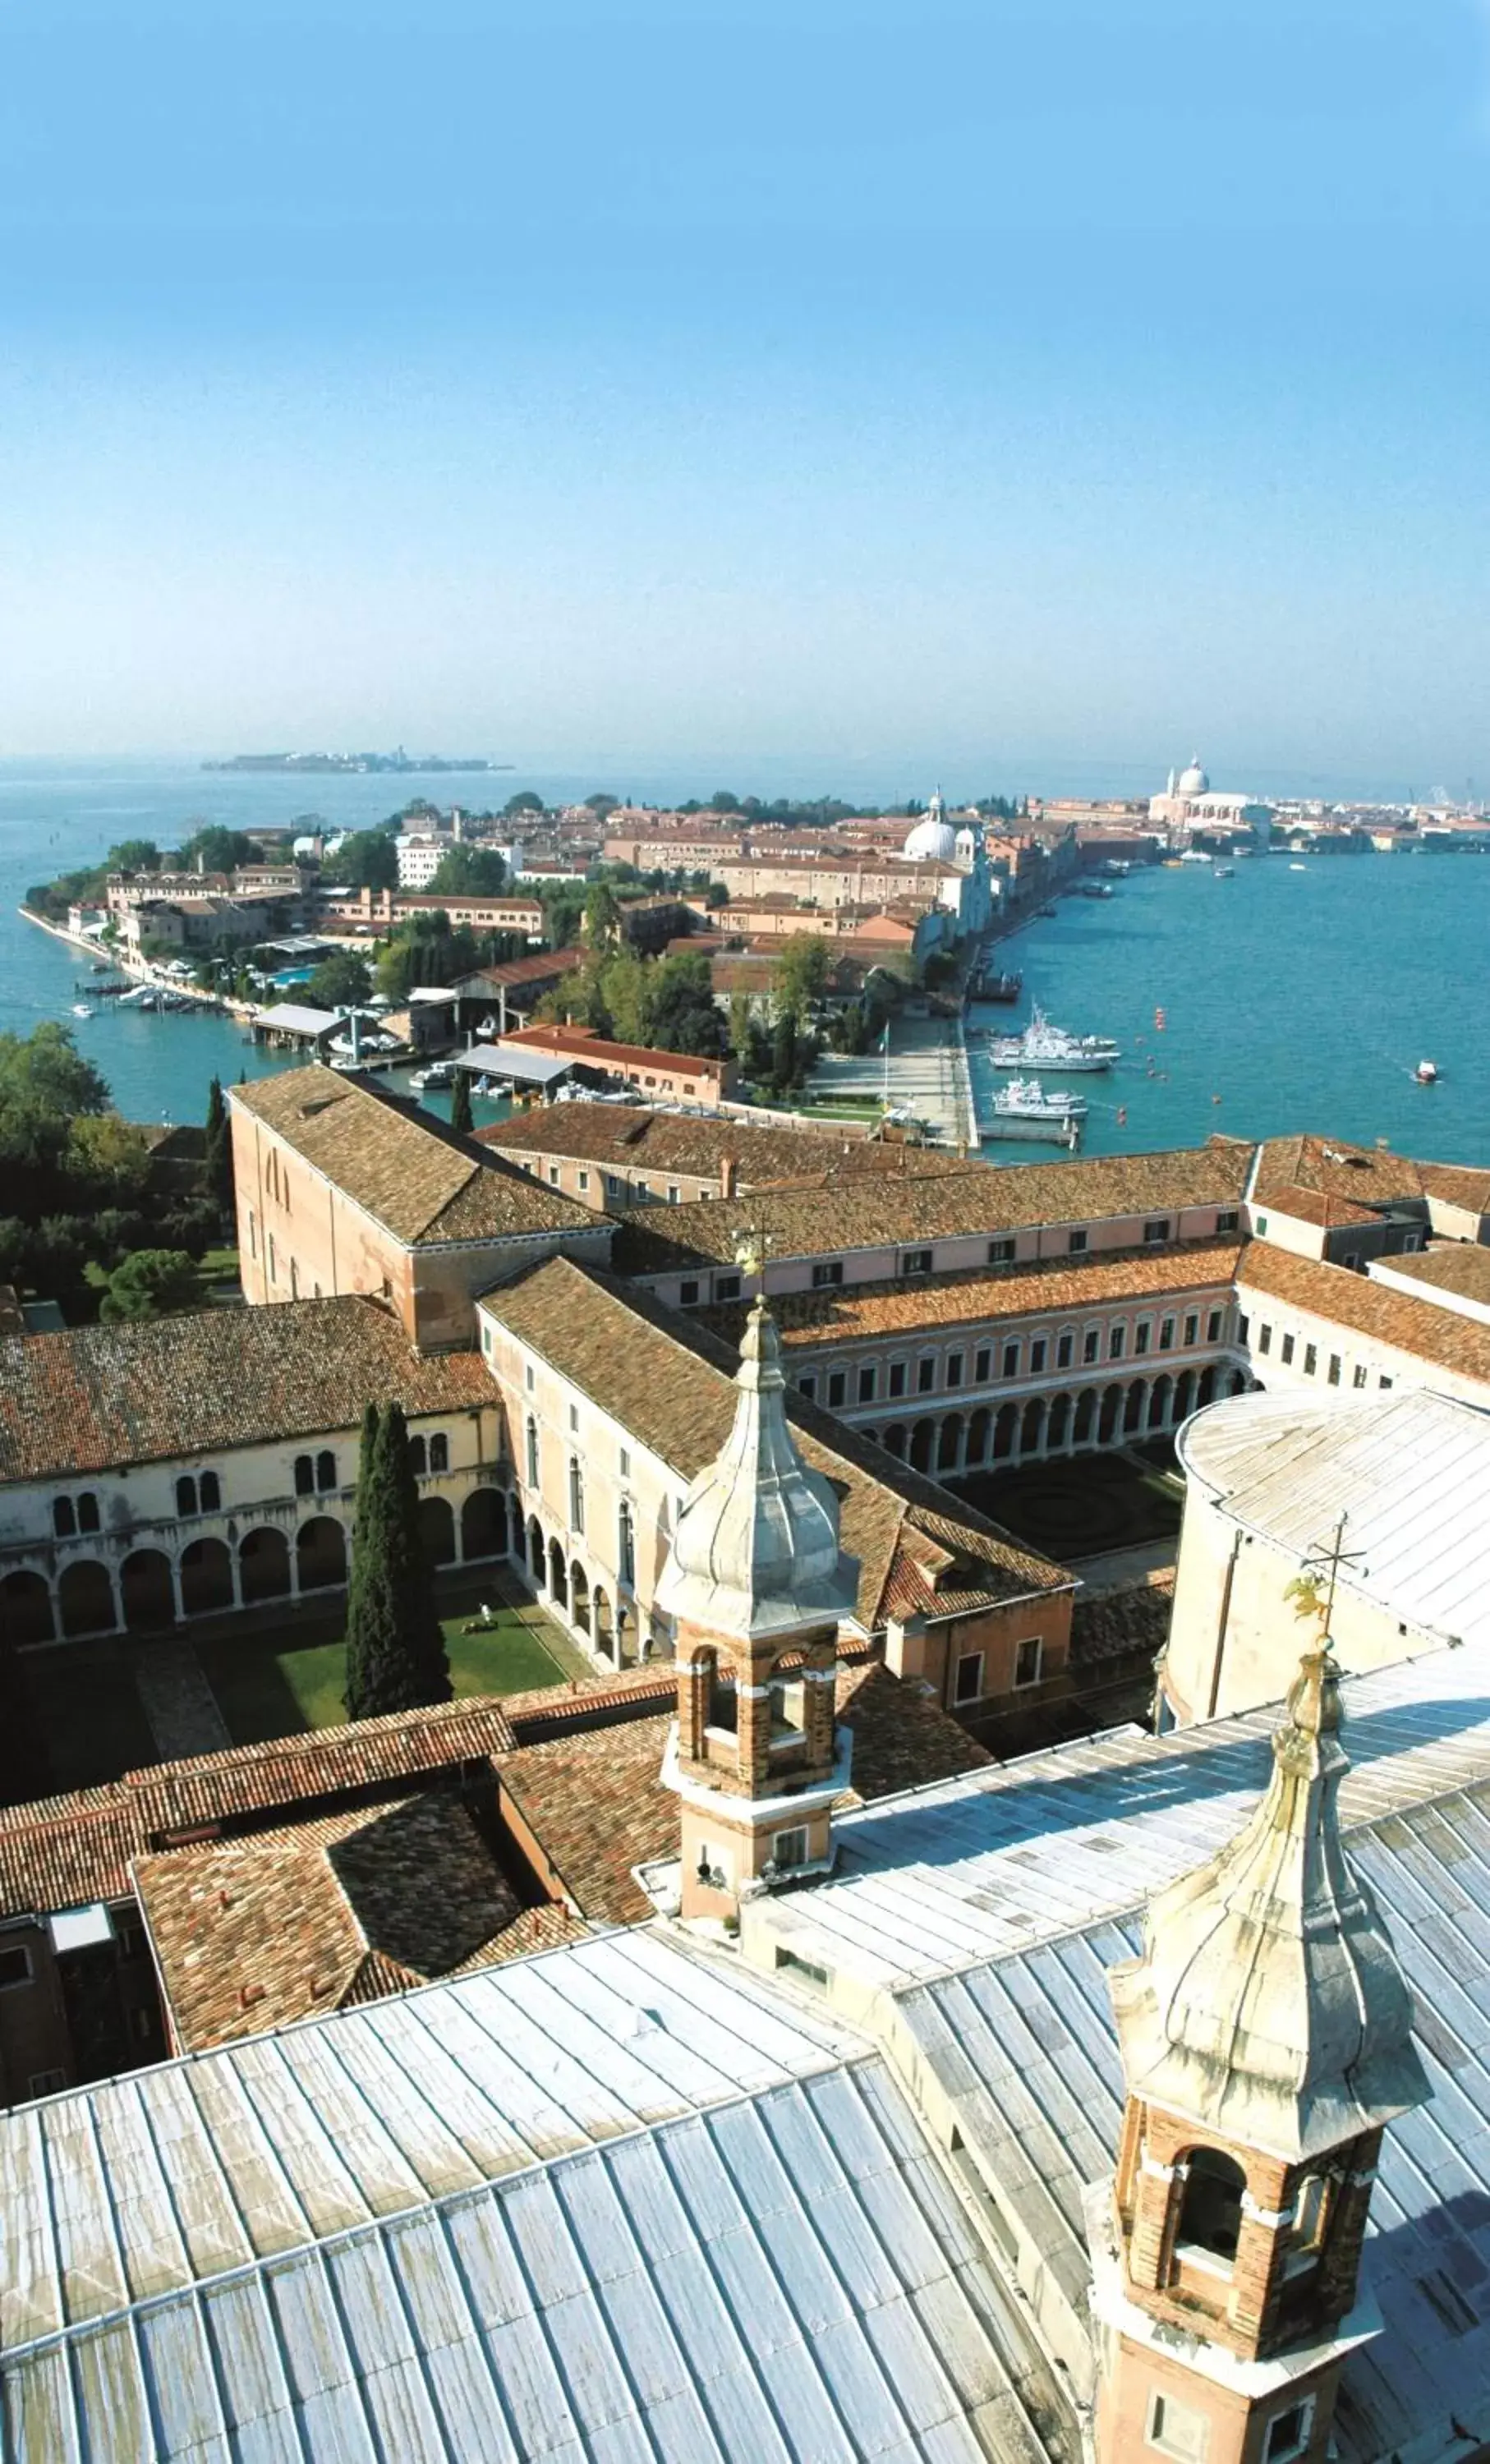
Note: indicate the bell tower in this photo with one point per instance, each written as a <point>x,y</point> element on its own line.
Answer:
<point>1264,2031</point>
<point>756,1585</point>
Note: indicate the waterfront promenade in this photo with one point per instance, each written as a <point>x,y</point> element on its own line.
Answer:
<point>927,1075</point>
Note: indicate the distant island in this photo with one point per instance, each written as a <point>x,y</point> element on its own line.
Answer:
<point>399,761</point>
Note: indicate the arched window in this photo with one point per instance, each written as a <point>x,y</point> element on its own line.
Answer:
<point>439,1451</point>
<point>723,1698</point>
<point>64,1522</point>
<point>418,1462</point>
<point>533,1452</point>
<point>209,1490</point>
<point>186,1494</point>
<point>1310,2213</point>
<point>1209,2218</point>
<point>575,1494</point>
<point>87,1511</point>
<point>326,1470</point>
<point>626,1535</point>
<point>305,1476</point>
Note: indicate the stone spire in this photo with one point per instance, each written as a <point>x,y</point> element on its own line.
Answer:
<point>1268,2006</point>
<point>756,1551</point>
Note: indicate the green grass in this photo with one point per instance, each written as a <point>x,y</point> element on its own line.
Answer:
<point>1083,1507</point>
<point>273,1684</point>
<point>87,1712</point>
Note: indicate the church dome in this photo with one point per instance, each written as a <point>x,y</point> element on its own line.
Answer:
<point>932,841</point>
<point>1194,781</point>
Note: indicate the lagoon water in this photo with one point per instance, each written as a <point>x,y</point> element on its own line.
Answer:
<point>1292,999</point>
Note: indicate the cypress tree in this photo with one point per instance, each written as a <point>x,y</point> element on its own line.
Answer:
<point>460,1103</point>
<point>218,1157</point>
<point>395,1648</point>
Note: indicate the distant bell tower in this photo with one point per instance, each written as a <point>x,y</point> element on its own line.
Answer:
<point>1265,2038</point>
<point>756,1585</point>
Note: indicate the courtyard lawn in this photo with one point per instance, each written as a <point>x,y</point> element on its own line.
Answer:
<point>1081,1508</point>
<point>87,1711</point>
<point>272,1684</point>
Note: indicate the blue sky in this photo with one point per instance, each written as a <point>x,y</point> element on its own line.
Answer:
<point>1032,392</point>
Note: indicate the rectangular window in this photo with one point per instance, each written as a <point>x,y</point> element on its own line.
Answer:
<point>612,1184</point>
<point>688,1291</point>
<point>1165,1335</point>
<point>585,1181</point>
<point>252,1235</point>
<point>967,1685</point>
<point>1286,1348</point>
<point>807,1384</point>
<point>1243,1328</point>
<point>926,1376</point>
<point>1333,1372</point>
<point>1092,1343</point>
<point>623,1462</point>
<point>1009,1366</point>
<point>1192,1327</point>
<point>673,1193</point>
<point>1311,1359</point>
<point>1384,1383</point>
<point>14,1967</point>
<point>1076,1240</point>
<point>955,1368</point>
<point>1117,1342</point>
<point>1177,2430</point>
<point>553,1175</point>
<point>837,1388</point>
<point>1352,1260</point>
<point>1228,1219</point>
<point>826,1271</point>
<point>530,1378</point>
<point>574,1418</point>
<point>982,1365</point>
<point>46,2082</point>
<point>789,1848</point>
<point>897,1377</point>
<point>1288,2434</point>
<point>1358,1374</point>
<point>1213,1326</point>
<point>1027,1657</point>
<point>915,1261</point>
<point>866,1382</point>
<point>1264,1338</point>
<point>1000,1252</point>
<point>726,1287</point>
<point>1156,1229</point>
<point>1143,1333</point>
<point>1038,1349</point>
<point>1262,1225</point>
<point>271,1257</point>
<point>1063,1349</point>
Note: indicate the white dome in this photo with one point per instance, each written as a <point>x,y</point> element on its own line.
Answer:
<point>1194,781</point>
<point>932,841</point>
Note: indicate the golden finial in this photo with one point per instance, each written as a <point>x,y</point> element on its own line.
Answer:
<point>752,1248</point>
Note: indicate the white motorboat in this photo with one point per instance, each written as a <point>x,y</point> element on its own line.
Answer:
<point>1427,1073</point>
<point>1045,1046</point>
<point>439,1073</point>
<point>1025,1099</point>
<point>82,1009</point>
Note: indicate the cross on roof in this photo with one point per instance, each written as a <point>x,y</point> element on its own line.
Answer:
<point>1313,1588</point>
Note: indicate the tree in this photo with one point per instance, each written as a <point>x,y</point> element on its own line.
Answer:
<point>134,855</point>
<point>215,849</point>
<point>150,1283</point>
<point>723,801</point>
<point>396,1659</point>
<point>464,871</point>
<point>460,1103</point>
<point>684,1017</point>
<point>785,1064</point>
<point>601,804</point>
<point>800,974</point>
<point>524,802</point>
<point>367,860</point>
<point>218,1158</point>
<point>602,915</point>
<point>342,981</point>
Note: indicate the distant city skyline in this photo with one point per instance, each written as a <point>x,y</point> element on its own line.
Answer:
<point>1028,396</point>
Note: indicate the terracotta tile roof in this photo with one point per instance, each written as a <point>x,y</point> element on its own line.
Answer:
<point>92,1396</point>
<point>1307,1205</point>
<point>1461,1268</point>
<point>539,967</point>
<point>630,1057</point>
<point>1457,1185</point>
<point>632,1137</point>
<point>670,1382</point>
<point>406,1167</point>
<point>1440,1338</point>
<point>851,1312</point>
<point>256,1933</point>
<point>598,1805</point>
<point>972,1199</point>
<point>1366,1177</point>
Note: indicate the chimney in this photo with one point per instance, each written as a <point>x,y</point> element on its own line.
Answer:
<point>729,1176</point>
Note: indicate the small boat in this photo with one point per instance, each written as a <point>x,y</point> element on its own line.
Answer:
<point>1223,871</point>
<point>439,1073</point>
<point>1025,1099</point>
<point>992,986</point>
<point>1096,890</point>
<point>82,1009</point>
<point>1043,1047</point>
<point>1195,855</point>
<point>1298,868</point>
<point>1427,1073</point>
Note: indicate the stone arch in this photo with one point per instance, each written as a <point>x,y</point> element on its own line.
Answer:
<point>626,1635</point>
<point>1184,1395</point>
<point>26,1607</point>
<point>579,1597</point>
<point>922,1444</point>
<point>483,1524</point>
<point>1160,1394</point>
<point>1032,1427</point>
<point>263,1565</point>
<point>148,1591</point>
<point>1058,1421</point>
<point>1134,1407</point>
<point>557,1576</point>
<point>980,1430</point>
<point>948,1442</point>
<point>85,1600</point>
<point>320,1554</point>
<point>1237,1381</point>
<point>537,1556</point>
<point>894,1439</point>
<point>1006,1429</point>
<point>437,1529</point>
<point>206,1572</point>
<point>1110,1415</point>
<point>1205,1390</point>
<point>604,1634</point>
<point>1211,2211</point>
<point>1085,1416</point>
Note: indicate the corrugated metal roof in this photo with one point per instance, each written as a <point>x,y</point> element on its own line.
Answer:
<point>1026,2050</point>
<point>976,1866</point>
<point>1411,1471</point>
<point>615,2203</point>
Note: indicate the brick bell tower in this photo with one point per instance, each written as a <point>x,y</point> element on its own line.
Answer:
<point>1265,2038</point>
<point>756,1585</point>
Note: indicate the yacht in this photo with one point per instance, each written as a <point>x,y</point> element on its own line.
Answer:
<point>1025,1099</point>
<point>1043,1047</point>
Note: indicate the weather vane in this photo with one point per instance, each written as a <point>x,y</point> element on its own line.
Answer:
<point>751,1249</point>
<point>1312,1590</point>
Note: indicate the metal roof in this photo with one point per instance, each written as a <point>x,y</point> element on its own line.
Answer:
<point>1025,2051</point>
<point>971,1868</point>
<point>516,1060</point>
<point>617,2203</point>
<point>1411,1469</point>
<point>294,1018</point>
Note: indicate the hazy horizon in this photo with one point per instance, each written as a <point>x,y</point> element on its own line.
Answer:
<point>1024,395</point>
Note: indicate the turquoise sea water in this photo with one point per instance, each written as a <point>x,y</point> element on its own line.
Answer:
<point>1301,999</point>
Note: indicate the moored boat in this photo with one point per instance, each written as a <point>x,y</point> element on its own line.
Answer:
<point>1045,1046</point>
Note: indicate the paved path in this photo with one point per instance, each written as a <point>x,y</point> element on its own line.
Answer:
<point>177,1699</point>
<point>927,1074</point>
